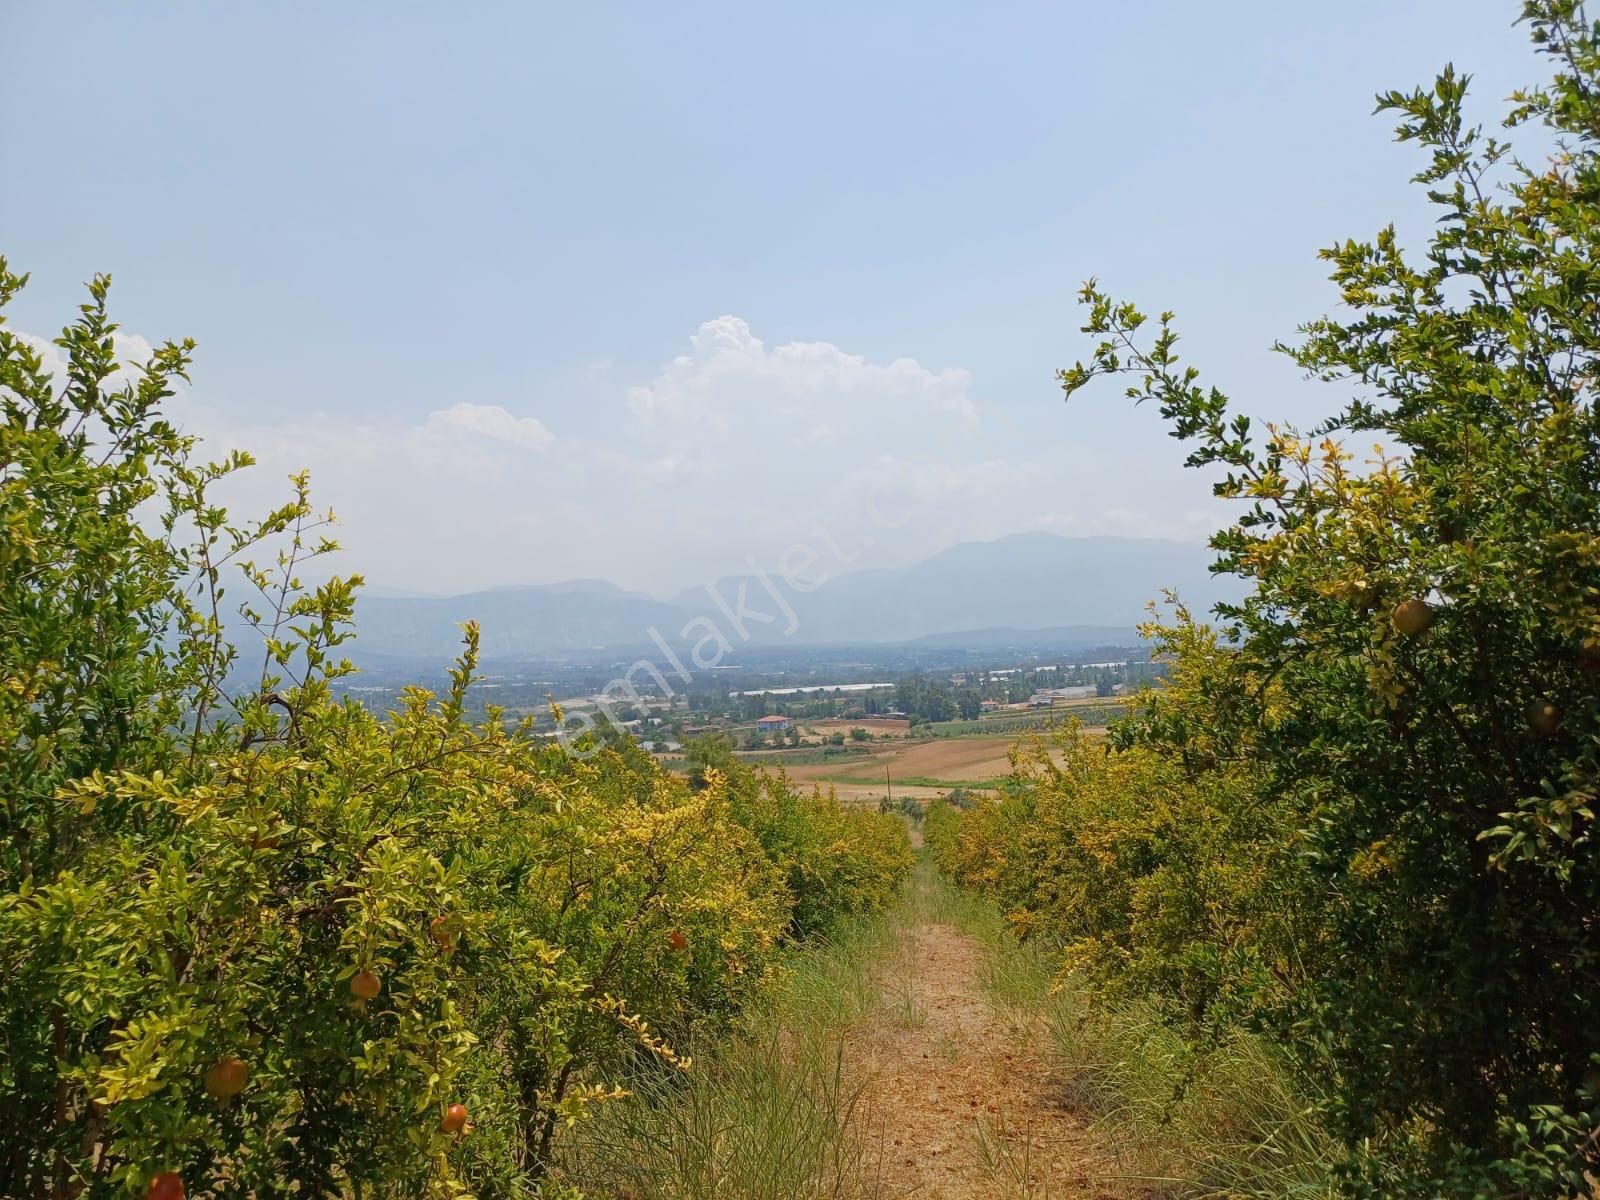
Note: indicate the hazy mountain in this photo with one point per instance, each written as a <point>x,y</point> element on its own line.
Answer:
<point>1058,637</point>
<point>517,622</point>
<point>1027,582</point>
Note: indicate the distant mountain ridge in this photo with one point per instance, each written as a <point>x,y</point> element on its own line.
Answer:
<point>517,622</point>
<point>1075,637</point>
<point>1069,590</point>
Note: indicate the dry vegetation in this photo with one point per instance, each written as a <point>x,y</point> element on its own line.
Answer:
<point>885,1064</point>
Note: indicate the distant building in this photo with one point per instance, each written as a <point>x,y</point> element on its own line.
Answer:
<point>1047,697</point>
<point>773,724</point>
<point>988,705</point>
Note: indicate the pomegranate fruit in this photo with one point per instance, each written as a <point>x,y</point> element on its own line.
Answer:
<point>1412,617</point>
<point>439,930</point>
<point>1544,718</point>
<point>226,1077</point>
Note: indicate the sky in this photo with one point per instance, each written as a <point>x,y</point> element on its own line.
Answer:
<point>649,292</point>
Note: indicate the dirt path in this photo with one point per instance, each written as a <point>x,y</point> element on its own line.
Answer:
<point>962,1108</point>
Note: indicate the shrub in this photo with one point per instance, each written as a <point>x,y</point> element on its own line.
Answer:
<point>1364,819</point>
<point>836,859</point>
<point>270,941</point>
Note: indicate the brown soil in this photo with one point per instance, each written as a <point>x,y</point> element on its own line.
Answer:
<point>961,1107</point>
<point>877,726</point>
<point>959,760</point>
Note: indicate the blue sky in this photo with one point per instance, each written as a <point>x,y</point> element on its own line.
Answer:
<point>644,291</point>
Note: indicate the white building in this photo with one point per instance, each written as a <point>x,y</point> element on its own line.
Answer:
<point>1048,697</point>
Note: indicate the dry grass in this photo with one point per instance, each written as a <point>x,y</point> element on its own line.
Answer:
<point>768,1113</point>
<point>926,1053</point>
<point>1227,1120</point>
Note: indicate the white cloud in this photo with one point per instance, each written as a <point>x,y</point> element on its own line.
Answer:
<point>493,422</point>
<point>729,371</point>
<point>730,454</point>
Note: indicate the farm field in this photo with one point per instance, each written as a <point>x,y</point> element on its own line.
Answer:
<point>923,769</point>
<point>1014,722</point>
<point>876,726</point>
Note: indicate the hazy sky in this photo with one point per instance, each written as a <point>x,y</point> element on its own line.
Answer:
<point>644,292</point>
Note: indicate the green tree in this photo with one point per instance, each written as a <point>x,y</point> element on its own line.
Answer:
<point>259,941</point>
<point>1416,667</point>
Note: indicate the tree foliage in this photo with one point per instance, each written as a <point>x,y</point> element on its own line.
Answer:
<point>1365,818</point>
<point>263,941</point>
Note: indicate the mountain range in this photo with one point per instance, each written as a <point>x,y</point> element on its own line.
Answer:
<point>986,592</point>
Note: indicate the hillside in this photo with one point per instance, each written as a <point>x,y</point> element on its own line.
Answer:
<point>1067,591</point>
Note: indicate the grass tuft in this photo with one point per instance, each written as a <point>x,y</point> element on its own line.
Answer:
<point>1226,1120</point>
<point>769,1113</point>
<point>773,1111</point>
